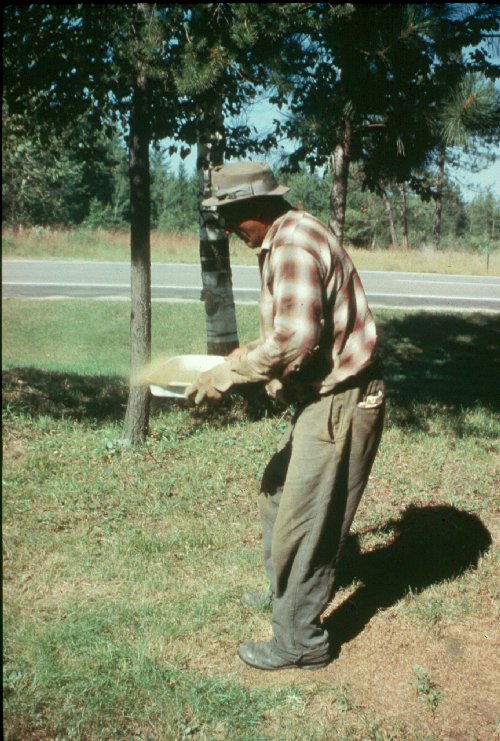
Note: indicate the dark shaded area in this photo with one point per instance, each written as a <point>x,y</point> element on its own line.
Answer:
<point>428,545</point>
<point>64,395</point>
<point>446,359</point>
<point>104,398</point>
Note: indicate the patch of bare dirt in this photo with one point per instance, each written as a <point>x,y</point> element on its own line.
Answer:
<point>394,672</point>
<point>374,680</point>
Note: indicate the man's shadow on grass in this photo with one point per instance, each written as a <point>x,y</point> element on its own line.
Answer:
<point>428,545</point>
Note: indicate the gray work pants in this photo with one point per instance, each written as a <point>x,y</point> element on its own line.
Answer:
<point>310,492</point>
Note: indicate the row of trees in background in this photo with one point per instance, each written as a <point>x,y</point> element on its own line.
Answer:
<point>397,92</point>
<point>378,87</point>
<point>96,194</point>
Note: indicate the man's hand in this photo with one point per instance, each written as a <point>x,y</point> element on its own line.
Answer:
<point>274,389</point>
<point>211,385</point>
<point>203,389</point>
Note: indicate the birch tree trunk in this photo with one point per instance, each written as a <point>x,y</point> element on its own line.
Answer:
<point>137,415</point>
<point>217,293</point>
<point>339,163</point>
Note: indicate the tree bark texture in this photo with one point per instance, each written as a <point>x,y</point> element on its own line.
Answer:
<point>339,162</point>
<point>217,293</point>
<point>137,417</point>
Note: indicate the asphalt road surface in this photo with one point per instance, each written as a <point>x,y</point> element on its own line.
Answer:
<point>57,279</point>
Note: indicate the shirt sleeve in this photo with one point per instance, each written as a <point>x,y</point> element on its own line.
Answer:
<point>296,288</point>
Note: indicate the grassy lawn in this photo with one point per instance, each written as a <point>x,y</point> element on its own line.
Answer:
<point>81,244</point>
<point>123,569</point>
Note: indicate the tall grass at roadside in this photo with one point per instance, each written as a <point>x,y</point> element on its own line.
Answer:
<point>123,569</point>
<point>98,244</point>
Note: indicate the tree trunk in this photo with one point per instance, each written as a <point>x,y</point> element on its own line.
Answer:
<point>339,162</point>
<point>390,217</point>
<point>404,216</point>
<point>438,200</point>
<point>217,293</point>
<point>137,417</point>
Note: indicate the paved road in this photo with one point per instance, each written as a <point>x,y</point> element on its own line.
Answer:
<point>52,279</point>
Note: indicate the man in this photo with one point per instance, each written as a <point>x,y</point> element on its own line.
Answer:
<point>316,349</point>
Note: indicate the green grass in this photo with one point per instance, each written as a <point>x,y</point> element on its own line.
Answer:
<point>123,569</point>
<point>98,244</point>
<point>92,339</point>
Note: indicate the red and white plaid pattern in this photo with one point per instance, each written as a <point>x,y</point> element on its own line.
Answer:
<point>315,324</point>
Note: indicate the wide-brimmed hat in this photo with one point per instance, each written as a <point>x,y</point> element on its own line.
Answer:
<point>241,181</point>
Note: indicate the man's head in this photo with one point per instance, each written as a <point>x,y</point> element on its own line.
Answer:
<point>248,198</point>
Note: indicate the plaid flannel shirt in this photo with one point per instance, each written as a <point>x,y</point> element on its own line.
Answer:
<point>316,328</point>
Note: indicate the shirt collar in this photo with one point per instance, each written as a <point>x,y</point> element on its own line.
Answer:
<point>268,239</point>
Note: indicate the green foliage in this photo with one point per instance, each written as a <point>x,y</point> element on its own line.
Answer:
<point>472,226</point>
<point>174,198</point>
<point>366,223</point>
<point>103,216</point>
<point>427,691</point>
<point>114,211</point>
<point>60,67</point>
<point>370,66</point>
<point>470,111</point>
<point>35,183</point>
<point>464,225</point>
<point>484,217</point>
<point>375,86</point>
<point>309,192</point>
<point>54,179</point>
<point>383,72</point>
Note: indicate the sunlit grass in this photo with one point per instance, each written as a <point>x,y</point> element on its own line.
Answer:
<point>123,569</point>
